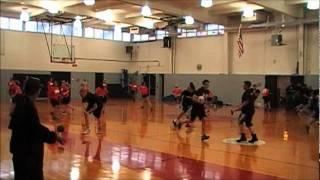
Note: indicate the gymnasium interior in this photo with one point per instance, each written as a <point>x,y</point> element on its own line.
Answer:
<point>167,44</point>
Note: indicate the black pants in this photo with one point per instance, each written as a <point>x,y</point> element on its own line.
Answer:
<point>27,167</point>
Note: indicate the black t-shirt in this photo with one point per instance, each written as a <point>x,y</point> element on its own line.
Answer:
<point>200,92</point>
<point>249,97</point>
<point>186,98</point>
<point>91,99</point>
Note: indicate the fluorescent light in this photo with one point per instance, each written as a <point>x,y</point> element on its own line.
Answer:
<point>248,12</point>
<point>206,3</point>
<point>189,19</point>
<point>77,23</point>
<point>106,15</point>
<point>313,4</point>
<point>89,2</point>
<point>51,6</point>
<point>146,11</point>
<point>24,16</point>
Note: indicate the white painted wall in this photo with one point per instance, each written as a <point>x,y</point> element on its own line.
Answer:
<point>28,51</point>
<point>312,49</point>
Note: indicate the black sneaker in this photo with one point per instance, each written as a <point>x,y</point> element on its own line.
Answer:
<point>179,125</point>
<point>253,140</point>
<point>174,123</point>
<point>242,139</point>
<point>204,137</point>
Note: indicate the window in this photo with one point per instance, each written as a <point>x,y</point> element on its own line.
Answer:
<point>88,32</point>
<point>144,37</point>
<point>152,38</point>
<point>43,27</point>
<point>108,35</point>
<point>212,27</point>
<point>202,33</point>
<point>136,37</point>
<point>31,26</point>
<point>221,29</point>
<point>67,30</point>
<point>213,33</point>
<point>126,37</point>
<point>15,24</point>
<point>98,33</point>
<point>77,31</point>
<point>4,23</point>
<point>56,29</point>
<point>161,34</point>
<point>117,33</point>
<point>182,33</point>
<point>191,33</point>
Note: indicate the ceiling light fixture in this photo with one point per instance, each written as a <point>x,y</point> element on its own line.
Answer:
<point>313,4</point>
<point>24,16</point>
<point>248,12</point>
<point>146,11</point>
<point>89,2</point>
<point>189,19</point>
<point>206,3</point>
<point>77,23</point>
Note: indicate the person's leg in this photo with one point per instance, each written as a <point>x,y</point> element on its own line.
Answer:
<point>85,126</point>
<point>19,166</point>
<point>241,128</point>
<point>251,130</point>
<point>149,103</point>
<point>203,129</point>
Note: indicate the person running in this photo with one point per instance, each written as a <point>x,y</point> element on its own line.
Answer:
<point>186,97</point>
<point>176,92</point>
<point>266,98</point>
<point>102,94</point>
<point>144,90</point>
<point>247,111</point>
<point>28,134</point>
<point>133,90</point>
<point>66,96</point>
<point>315,109</point>
<point>198,109</point>
<point>91,106</point>
<point>54,98</point>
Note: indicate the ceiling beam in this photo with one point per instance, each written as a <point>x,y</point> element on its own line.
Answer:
<point>291,2</point>
<point>280,6</point>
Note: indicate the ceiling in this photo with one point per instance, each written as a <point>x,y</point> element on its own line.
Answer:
<point>127,12</point>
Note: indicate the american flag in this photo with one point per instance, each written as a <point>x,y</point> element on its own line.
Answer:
<point>240,43</point>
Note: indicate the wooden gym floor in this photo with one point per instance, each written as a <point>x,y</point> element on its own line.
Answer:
<point>139,144</point>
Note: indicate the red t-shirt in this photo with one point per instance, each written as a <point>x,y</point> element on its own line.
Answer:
<point>65,91</point>
<point>14,89</point>
<point>133,87</point>
<point>101,92</point>
<point>177,91</point>
<point>144,90</point>
<point>54,93</point>
<point>265,92</point>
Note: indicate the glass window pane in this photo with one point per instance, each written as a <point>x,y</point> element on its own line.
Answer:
<point>202,33</point>
<point>144,37</point>
<point>117,33</point>
<point>98,33</point>
<point>126,37</point>
<point>136,37</point>
<point>221,29</point>
<point>4,23</point>
<point>152,38</point>
<point>212,33</point>
<point>77,31</point>
<point>31,26</point>
<point>88,32</point>
<point>67,30</point>
<point>43,27</point>
<point>15,24</point>
<point>212,27</point>
<point>108,35</point>
<point>56,29</point>
<point>193,34</point>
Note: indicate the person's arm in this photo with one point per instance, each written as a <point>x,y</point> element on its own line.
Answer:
<point>239,107</point>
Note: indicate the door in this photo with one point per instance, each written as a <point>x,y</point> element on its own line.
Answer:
<point>99,79</point>
<point>150,80</point>
<point>271,82</point>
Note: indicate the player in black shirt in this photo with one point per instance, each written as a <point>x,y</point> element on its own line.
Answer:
<point>198,108</point>
<point>186,103</point>
<point>91,105</point>
<point>247,111</point>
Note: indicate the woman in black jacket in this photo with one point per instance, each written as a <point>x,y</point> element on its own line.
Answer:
<point>28,134</point>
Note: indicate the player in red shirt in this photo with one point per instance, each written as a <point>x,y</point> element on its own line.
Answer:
<point>133,90</point>
<point>102,94</point>
<point>144,91</point>
<point>14,89</point>
<point>65,91</point>
<point>54,98</point>
<point>176,92</point>
<point>266,98</point>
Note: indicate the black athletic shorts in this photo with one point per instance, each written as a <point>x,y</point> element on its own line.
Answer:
<point>266,99</point>
<point>197,112</point>
<point>246,118</point>
<point>186,108</point>
<point>66,100</point>
<point>102,99</point>
<point>98,111</point>
<point>54,102</point>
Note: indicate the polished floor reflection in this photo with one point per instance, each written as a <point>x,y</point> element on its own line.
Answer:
<point>139,144</point>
